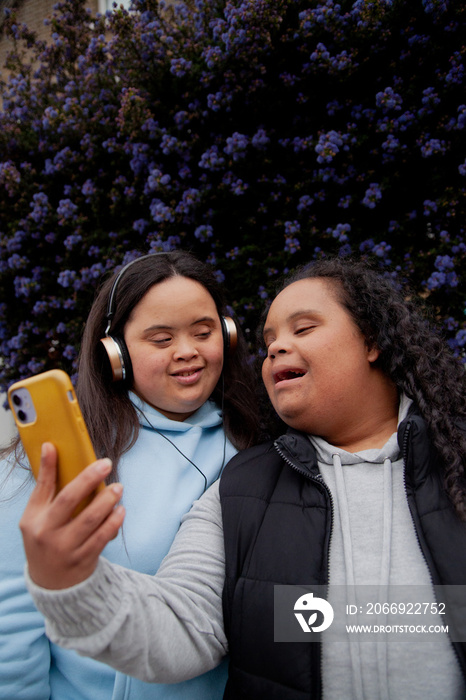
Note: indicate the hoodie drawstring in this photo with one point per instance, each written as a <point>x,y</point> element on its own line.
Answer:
<point>349,568</point>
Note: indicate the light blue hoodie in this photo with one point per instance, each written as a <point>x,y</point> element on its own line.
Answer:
<point>160,485</point>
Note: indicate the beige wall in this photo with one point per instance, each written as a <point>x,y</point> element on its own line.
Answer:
<point>7,424</point>
<point>33,12</point>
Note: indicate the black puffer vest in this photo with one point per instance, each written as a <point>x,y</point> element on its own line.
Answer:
<point>277,516</point>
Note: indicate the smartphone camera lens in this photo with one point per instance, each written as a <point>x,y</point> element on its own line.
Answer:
<point>17,400</point>
<point>22,416</point>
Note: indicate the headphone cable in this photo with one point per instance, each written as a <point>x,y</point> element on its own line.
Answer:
<point>181,452</point>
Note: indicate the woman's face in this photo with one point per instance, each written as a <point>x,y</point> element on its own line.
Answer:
<point>174,338</point>
<point>318,370</point>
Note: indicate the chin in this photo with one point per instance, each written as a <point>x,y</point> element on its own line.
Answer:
<point>290,418</point>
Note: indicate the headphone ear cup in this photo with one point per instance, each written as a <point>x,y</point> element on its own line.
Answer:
<point>119,358</point>
<point>230,335</point>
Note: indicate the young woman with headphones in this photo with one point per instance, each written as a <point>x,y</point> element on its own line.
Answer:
<point>167,393</point>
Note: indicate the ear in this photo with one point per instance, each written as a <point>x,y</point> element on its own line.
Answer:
<point>373,352</point>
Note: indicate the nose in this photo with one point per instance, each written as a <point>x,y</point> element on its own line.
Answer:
<point>185,349</point>
<point>275,348</point>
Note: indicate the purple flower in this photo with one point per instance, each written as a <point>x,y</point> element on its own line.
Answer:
<point>262,292</point>
<point>204,232</point>
<point>24,286</point>
<point>160,212</point>
<point>169,144</point>
<point>292,245</point>
<point>372,196</point>
<point>292,227</point>
<point>233,253</point>
<point>156,180</point>
<point>211,160</point>
<point>139,225</point>
<point>345,201</point>
<point>236,145</point>
<point>430,207</point>
<point>391,143</point>
<point>329,145</point>
<point>39,206</point>
<point>72,241</point>
<point>212,55</point>
<point>444,274</point>
<point>238,187</point>
<point>388,99</point>
<point>189,201</point>
<point>70,352</point>
<point>340,232</point>
<point>320,53</point>
<point>66,278</point>
<point>260,140</point>
<point>435,6</point>
<point>461,338</point>
<point>432,147</point>
<point>305,201</point>
<point>444,262</point>
<point>9,176</point>
<point>88,189</point>
<point>66,209</point>
<point>456,72</point>
<point>40,307</point>
<point>180,66</point>
<point>381,249</point>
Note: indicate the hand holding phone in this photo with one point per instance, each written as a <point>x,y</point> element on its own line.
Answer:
<point>45,409</point>
<point>63,551</point>
<point>64,526</point>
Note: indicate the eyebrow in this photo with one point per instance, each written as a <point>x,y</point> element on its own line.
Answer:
<point>294,315</point>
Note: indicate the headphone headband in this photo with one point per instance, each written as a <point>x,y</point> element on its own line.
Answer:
<point>111,298</point>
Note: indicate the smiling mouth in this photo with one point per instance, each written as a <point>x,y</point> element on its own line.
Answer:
<point>187,372</point>
<point>288,374</point>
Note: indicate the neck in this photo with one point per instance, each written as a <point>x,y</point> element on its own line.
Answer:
<point>373,426</point>
<point>376,440</point>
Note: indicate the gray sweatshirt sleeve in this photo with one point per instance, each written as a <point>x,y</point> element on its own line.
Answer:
<point>164,628</point>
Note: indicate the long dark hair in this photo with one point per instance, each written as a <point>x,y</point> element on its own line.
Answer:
<point>412,354</point>
<point>110,416</point>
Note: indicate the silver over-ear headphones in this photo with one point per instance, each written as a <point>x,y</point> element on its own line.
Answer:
<point>115,346</point>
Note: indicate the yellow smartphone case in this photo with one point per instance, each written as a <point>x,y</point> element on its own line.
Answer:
<point>45,409</point>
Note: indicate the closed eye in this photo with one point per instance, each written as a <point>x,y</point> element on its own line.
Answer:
<point>303,330</point>
<point>204,335</point>
<point>161,341</point>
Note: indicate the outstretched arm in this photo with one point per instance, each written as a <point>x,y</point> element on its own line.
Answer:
<point>164,628</point>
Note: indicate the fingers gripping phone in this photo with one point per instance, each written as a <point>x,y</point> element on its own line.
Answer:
<point>45,409</point>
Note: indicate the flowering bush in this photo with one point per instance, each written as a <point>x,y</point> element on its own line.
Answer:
<point>259,134</point>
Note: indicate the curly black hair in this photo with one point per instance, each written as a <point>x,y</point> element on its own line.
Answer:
<point>412,353</point>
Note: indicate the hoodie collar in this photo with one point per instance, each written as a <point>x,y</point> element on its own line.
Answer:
<point>207,416</point>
